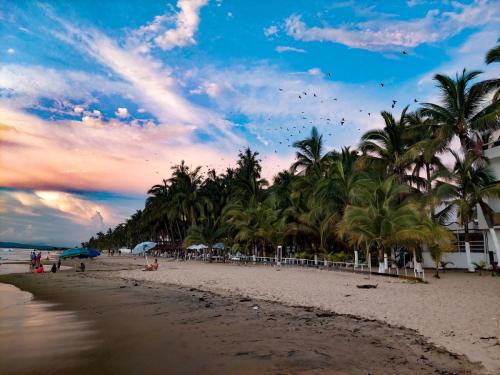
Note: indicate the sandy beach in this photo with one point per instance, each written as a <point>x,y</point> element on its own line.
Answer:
<point>228,319</point>
<point>460,312</point>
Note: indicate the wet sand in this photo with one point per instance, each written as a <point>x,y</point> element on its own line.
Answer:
<point>151,328</point>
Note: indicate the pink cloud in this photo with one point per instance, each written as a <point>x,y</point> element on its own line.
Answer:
<point>100,156</point>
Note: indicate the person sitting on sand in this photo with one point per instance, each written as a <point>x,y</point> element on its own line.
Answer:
<point>152,267</point>
<point>40,269</point>
<point>81,268</point>
<point>54,268</point>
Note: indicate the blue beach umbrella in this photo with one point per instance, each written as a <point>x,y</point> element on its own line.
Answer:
<point>219,246</point>
<point>143,247</point>
<point>79,252</point>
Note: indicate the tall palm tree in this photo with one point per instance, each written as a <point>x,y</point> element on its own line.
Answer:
<point>309,154</point>
<point>464,110</point>
<point>470,186</point>
<point>380,219</point>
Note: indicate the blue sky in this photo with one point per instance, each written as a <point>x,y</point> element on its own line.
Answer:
<point>99,99</point>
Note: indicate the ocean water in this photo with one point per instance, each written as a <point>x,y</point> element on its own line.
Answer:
<point>37,336</point>
<point>17,260</point>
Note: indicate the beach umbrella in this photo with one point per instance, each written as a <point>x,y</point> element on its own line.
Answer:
<point>79,252</point>
<point>219,246</point>
<point>143,247</point>
<point>193,247</point>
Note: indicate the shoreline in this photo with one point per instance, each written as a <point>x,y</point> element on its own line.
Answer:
<point>229,335</point>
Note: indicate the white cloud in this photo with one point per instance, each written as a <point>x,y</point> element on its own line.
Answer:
<point>122,112</point>
<point>391,34</point>
<point>271,30</point>
<point>29,83</point>
<point>11,51</point>
<point>230,14</point>
<point>315,71</point>
<point>152,83</point>
<point>282,49</point>
<point>186,23</point>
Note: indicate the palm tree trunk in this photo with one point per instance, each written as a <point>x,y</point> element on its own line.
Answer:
<point>380,253</point>
<point>429,189</point>
<point>470,267</point>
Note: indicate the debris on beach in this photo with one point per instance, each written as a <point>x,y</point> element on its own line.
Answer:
<point>367,286</point>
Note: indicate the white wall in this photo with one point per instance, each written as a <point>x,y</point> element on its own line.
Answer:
<point>459,260</point>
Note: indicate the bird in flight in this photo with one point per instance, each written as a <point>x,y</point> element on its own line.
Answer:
<point>300,97</point>
<point>404,53</point>
<point>330,75</point>
<point>415,100</point>
<point>280,89</point>
<point>382,84</point>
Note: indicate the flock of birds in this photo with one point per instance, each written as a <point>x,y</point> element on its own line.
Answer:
<point>303,121</point>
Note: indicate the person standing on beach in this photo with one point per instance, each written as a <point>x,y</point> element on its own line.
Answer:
<point>54,268</point>
<point>59,264</point>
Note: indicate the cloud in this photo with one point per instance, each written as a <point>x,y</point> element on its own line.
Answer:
<point>211,89</point>
<point>96,155</point>
<point>148,79</point>
<point>282,49</point>
<point>53,217</point>
<point>271,31</point>
<point>30,83</point>
<point>469,55</point>
<point>186,23</point>
<point>11,51</point>
<point>122,112</point>
<point>391,34</point>
<point>315,71</point>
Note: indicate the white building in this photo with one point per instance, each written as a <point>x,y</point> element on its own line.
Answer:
<point>482,245</point>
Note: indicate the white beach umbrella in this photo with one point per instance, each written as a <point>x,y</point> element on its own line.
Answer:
<point>143,247</point>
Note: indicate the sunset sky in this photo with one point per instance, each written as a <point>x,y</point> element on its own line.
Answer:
<point>98,99</point>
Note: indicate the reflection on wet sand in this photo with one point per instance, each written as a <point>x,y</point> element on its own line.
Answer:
<point>36,335</point>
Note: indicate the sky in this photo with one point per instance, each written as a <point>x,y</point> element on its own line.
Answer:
<point>98,100</point>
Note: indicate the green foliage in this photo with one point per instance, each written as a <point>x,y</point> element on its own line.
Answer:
<point>381,196</point>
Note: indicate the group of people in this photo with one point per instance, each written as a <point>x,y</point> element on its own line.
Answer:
<point>36,259</point>
<point>36,265</point>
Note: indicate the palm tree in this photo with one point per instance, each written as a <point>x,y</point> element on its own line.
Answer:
<point>247,184</point>
<point>463,112</point>
<point>493,54</point>
<point>469,187</point>
<point>388,150</point>
<point>309,155</point>
<point>208,231</point>
<point>381,219</point>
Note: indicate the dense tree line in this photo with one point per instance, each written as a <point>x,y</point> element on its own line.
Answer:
<point>393,192</point>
